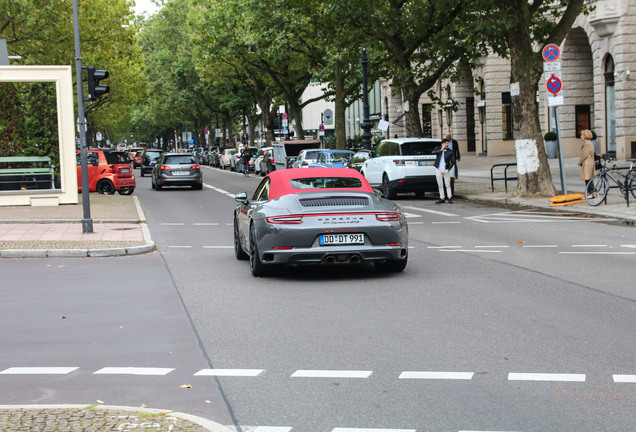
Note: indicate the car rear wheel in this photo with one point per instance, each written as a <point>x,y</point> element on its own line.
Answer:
<point>256,266</point>
<point>197,187</point>
<point>391,266</point>
<point>238,250</point>
<point>105,187</point>
<point>387,191</point>
<point>126,191</point>
<point>158,186</point>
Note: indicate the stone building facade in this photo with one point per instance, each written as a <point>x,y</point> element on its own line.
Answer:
<point>598,72</point>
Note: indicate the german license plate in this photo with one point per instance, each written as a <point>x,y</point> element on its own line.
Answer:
<point>425,163</point>
<point>341,239</point>
<point>124,170</point>
<point>180,173</point>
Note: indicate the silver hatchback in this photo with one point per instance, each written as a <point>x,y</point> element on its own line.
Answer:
<point>177,169</point>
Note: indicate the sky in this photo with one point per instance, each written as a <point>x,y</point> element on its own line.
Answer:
<point>145,5</point>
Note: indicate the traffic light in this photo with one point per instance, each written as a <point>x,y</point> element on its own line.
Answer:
<point>94,88</point>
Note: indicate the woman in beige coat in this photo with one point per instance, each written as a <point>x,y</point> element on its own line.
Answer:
<point>586,161</point>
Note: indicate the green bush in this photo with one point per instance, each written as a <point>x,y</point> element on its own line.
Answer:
<point>550,136</point>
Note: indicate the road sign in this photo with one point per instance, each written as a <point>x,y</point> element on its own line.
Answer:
<point>554,66</point>
<point>551,52</point>
<point>555,101</point>
<point>328,114</point>
<point>554,85</point>
<point>284,115</point>
<point>321,127</point>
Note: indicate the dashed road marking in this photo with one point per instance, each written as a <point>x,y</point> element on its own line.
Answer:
<point>38,370</point>
<point>133,371</point>
<point>437,375</point>
<point>625,379</point>
<point>437,212</point>
<point>230,372</point>
<point>331,374</point>
<point>597,253</point>
<point>546,377</point>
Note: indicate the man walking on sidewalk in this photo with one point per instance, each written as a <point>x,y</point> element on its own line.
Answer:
<point>444,162</point>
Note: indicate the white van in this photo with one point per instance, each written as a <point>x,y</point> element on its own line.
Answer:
<point>403,165</point>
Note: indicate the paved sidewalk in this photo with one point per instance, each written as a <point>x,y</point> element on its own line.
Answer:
<point>119,228</point>
<point>98,418</point>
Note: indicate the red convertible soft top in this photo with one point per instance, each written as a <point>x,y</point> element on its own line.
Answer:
<point>282,181</point>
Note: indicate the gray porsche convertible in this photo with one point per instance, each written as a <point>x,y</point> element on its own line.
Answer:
<point>318,216</point>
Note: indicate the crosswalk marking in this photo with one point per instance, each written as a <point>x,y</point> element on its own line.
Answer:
<point>133,371</point>
<point>546,377</point>
<point>437,375</point>
<point>331,374</point>
<point>38,370</point>
<point>230,372</point>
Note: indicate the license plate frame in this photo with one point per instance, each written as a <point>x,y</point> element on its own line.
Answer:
<point>341,239</point>
<point>180,173</point>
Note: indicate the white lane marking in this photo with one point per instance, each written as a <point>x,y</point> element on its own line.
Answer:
<point>230,372</point>
<point>206,224</point>
<point>38,370</point>
<point>412,215</point>
<point>172,223</point>
<point>629,246</point>
<point>371,430</point>
<point>133,371</point>
<point>259,429</point>
<point>540,246</point>
<point>437,375</point>
<point>444,247</point>
<point>546,377</point>
<point>625,379</point>
<point>430,211</point>
<point>470,250</point>
<point>439,223</point>
<point>218,247</point>
<point>492,246</point>
<point>416,223</point>
<point>331,374</point>
<point>180,247</point>
<point>590,246</point>
<point>598,253</point>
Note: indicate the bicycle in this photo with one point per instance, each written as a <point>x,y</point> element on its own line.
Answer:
<point>598,186</point>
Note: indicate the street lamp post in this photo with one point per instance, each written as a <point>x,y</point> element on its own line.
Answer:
<point>366,123</point>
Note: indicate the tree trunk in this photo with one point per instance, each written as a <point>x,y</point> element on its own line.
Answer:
<point>297,114</point>
<point>412,96</point>
<point>533,169</point>
<point>339,114</point>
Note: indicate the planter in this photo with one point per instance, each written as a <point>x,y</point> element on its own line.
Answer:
<point>551,149</point>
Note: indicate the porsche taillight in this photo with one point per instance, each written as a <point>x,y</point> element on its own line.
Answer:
<point>388,217</point>
<point>289,220</point>
<point>195,167</point>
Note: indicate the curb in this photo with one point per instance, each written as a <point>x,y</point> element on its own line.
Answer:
<point>206,424</point>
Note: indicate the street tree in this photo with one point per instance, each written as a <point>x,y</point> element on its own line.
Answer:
<point>526,27</point>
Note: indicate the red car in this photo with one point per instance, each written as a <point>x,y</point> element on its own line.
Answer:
<point>137,159</point>
<point>108,171</point>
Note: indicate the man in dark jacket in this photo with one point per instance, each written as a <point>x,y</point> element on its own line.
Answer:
<point>444,162</point>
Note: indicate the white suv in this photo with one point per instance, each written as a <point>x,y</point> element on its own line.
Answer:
<point>403,165</point>
<point>305,158</point>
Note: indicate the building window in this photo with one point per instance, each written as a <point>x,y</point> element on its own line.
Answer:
<point>506,116</point>
<point>427,121</point>
<point>582,115</point>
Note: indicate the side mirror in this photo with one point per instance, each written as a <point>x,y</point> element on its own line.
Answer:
<point>241,197</point>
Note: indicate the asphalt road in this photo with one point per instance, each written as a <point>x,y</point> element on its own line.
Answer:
<point>504,320</point>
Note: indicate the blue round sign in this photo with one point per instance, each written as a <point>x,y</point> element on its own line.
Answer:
<point>554,85</point>
<point>551,52</point>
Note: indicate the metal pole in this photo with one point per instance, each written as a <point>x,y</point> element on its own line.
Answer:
<point>87,222</point>
<point>366,123</point>
<point>556,119</point>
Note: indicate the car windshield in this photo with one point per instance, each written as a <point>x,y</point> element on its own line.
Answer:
<point>153,155</point>
<point>325,183</point>
<point>116,157</point>
<point>312,154</point>
<point>419,148</point>
<point>179,160</point>
<point>337,157</point>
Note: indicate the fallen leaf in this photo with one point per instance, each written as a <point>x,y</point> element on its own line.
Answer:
<point>520,241</point>
<point>101,402</point>
<point>63,317</point>
<point>185,386</point>
<point>122,326</point>
<point>143,406</point>
<point>208,402</point>
<point>60,266</point>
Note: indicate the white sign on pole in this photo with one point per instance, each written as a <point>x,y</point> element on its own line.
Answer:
<point>548,75</point>
<point>555,100</point>
<point>552,66</point>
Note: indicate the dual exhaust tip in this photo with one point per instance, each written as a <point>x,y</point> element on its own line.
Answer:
<point>352,259</point>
